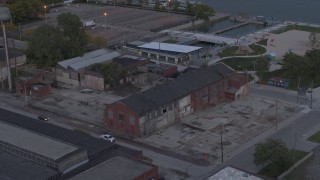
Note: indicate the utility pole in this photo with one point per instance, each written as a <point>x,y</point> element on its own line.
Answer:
<point>221,142</point>
<point>298,90</point>
<point>276,115</point>
<point>7,55</point>
<point>311,94</point>
<point>254,74</point>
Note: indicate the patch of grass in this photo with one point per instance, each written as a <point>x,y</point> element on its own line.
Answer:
<point>272,172</point>
<point>171,41</point>
<point>232,51</point>
<point>263,42</point>
<point>257,49</point>
<point>297,27</point>
<point>228,51</point>
<point>315,137</point>
<point>240,63</point>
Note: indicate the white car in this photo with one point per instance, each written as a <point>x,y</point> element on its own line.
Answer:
<point>107,137</point>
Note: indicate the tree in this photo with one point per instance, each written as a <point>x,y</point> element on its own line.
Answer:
<point>314,39</point>
<point>112,73</point>
<point>98,41</point>
<point>273,153</point>
<point>157,4</point>
<point>75,37</point>
<point>262,65</point>
<point>129,2</point>
<point>176,5</point>
<point>45,46</point>
<point>296,66</point>
<point>24,10</point>
<point>189,8</point>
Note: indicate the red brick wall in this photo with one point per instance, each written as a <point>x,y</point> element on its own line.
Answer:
<point>170,71</point>
<point>42,91</point>
<point>152,173</point>
<point>119,125</point>
<point>23,86</point>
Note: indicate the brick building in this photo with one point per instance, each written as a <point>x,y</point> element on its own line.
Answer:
<point>143,114</point>
<point>32,86</point>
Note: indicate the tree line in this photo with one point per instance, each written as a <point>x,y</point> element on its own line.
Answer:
<point>51,44</point>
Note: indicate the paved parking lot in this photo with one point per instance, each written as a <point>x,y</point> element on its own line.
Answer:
<point>199,135</point>
<point>123,24</point>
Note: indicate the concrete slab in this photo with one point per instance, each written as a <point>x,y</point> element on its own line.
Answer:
<point>199,134</point>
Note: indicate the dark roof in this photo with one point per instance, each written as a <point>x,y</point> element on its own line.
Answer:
<point>93,145</point>
<point>173,90</point>
<point>15,168</point>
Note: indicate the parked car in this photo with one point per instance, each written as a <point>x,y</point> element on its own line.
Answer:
<point>107,137</point>
<point>86,91</point>
<point>43,118</point>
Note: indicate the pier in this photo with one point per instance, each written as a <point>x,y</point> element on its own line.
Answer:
<point>230,28</point>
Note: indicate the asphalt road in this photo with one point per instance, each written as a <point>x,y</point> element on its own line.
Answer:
<point>294,132</point>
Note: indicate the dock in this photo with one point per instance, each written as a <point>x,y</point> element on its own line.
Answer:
<point>230,28</point>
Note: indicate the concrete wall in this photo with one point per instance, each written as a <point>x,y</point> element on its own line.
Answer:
<point>184,107</point>
<point>64,77</point>
<point>93,82</point>
<point>69,162</point>
<point>41,91</point>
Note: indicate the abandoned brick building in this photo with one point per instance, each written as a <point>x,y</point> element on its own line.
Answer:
<point>143,114</point>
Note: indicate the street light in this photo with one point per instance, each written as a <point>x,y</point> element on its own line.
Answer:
<point>45,13</point>
<point>105,20</point>
<point>169,6</point>
<point>6,16</point>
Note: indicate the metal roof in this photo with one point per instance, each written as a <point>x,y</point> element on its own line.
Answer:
<point>170,47</point>
<point>34,142</point>
<point>92,145</point>
<point>93,57</point>
<point>15,168</point>
<point>94,60</point>
<point>230,173</point>
<point>116,168</point>
<point>167,93</point>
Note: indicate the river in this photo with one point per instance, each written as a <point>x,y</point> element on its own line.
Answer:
<point>293,10</point>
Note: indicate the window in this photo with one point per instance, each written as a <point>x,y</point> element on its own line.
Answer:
<point>110,114</point>
<point>132,120</point>
<point>164,110</point>
<point>121,117</point>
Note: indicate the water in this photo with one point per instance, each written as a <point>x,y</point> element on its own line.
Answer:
<point>212,27</point>
<point>243,30</point>
<point>293,10</point>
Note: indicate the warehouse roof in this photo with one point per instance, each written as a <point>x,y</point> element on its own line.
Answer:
<point>92,145</point>
<point>167,93</point>
<point>170,47</point>
<point>34,142</point>
<point>231,173</point>
<point>12,167</point>
<point>90,58</point>
<point>116,168</point>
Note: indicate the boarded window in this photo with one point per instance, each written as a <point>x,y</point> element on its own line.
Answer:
<point>132,120</point>
<point>110,114</point>
<point>164,110</point>
<point>121,117</point>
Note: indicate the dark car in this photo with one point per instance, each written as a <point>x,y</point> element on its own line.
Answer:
<point>43,118</point>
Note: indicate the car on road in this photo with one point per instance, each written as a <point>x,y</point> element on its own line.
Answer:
<point>108,137</point>
<point>86,91</point>
<point>43,118</point>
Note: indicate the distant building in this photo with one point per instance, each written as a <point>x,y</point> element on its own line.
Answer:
<point>120,168</point>
<point>231,173</point>
<point>69,71</point>
<point>32,86</point>
<point>143,114</point>
<point>32,149</point>
<point>166,52</point>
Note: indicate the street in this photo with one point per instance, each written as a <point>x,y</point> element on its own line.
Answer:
<point>293,131</point>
